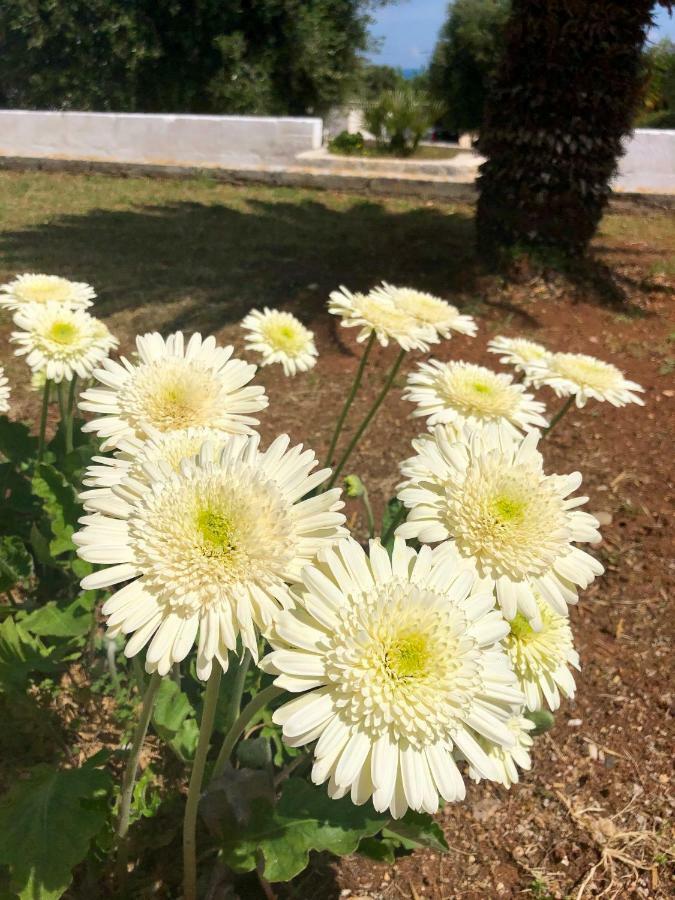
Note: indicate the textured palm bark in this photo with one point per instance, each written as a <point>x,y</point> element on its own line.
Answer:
<point>564,98</point>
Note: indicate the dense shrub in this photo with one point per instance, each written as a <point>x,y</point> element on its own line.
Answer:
<point>346,144</point>
<point>399,118</point>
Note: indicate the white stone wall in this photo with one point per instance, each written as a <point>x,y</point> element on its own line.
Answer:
<point>648,166</point>
<point>174,140</point>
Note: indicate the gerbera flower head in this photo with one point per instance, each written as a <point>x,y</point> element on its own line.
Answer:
<point>586,377</point>
<point>541,659</point>
<point>60,341</point>
<point>4,391</point>
<point>208,550</point>
<point>135,458</point>
<point>461,393</point>
<point>174,385</point>
<point>518,352</point>
<point>375,312</point>
<point>397,668</point>
<point>30,288</point>
<point>428,310</point>
<point>508,759</point>
<point>280,338</point>
<point>510,523</point>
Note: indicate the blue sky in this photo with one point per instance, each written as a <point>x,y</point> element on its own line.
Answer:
<point>408,30</point>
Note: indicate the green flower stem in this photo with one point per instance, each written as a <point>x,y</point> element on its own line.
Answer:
<point>234,705</point>
<point>66,418</point>
<point>130,771</point>
<point>558,416</point>
<point>350,399</point>
<point>72,396</point>
<point>245,717</point>
<point>195,788</point>
<point>369,417</point>
<point>369,513</point>
<point>43,420</point>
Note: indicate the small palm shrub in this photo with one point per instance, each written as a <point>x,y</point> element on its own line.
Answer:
<point>399,118</point>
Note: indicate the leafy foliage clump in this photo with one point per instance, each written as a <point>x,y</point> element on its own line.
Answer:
<point>399,118</point>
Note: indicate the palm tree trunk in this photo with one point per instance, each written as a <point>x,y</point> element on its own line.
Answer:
<point>564,99</point>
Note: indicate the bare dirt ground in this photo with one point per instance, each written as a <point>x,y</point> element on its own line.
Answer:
<point>594,816</point>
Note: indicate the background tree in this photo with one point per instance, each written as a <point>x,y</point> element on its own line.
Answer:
<point>658,103</point>
<point>269,56</point>
<point>564,98</point>
<point>465,59</point>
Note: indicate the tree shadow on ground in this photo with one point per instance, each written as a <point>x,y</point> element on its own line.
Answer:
<point>200,266</point>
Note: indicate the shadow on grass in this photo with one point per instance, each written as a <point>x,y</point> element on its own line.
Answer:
<point>200,266</point>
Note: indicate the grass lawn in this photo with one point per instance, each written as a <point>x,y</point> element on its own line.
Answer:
<point>198,255</point>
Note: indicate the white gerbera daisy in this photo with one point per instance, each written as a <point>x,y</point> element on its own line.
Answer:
<point>174,385</point>
<point>507,759</point>
<point>541,659</point>
<point>60,341</point>
<point>208,549</point>
<point>280,338</point>
<point>135,457</point>
<point>428,310</point>
<point>29,288</point>
<point>4,391</point>
<point>461,393</point>
<point>510,523</point>
<point>518,352</point>
<point>376,313</point>
<point>397,667</point>
<point>586,378</point>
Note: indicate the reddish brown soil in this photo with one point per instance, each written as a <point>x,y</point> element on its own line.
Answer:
<point>594,816</point>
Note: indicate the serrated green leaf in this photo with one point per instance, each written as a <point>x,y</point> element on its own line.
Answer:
<point>254,753</point>
<point>16,441</point>
<point>16,563</point>
<point>147,798</point>
<point>20,655</point>
<point>172,708</point>
<point>53,620</point>
<point>304,819</point>
<point>184,744</point>
<point>46,826</point>
<point>416,830</point>
<point>381,850</point>
<point>60,504</point>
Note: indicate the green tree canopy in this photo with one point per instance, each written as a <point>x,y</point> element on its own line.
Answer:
<point>465,59</point>
<point>271,56</point>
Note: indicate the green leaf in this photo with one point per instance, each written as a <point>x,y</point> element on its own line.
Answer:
<point>53,620</point>
<point>381,850</point>
<point>174,720</point>
<point>46,826</point>
<point>254,753</point>
<point>20,655</point>
<point>394,514</point>
<point>60,503</point>
<point>543,721</point>
<point>147,798</point>
<point>416,830</point>
<point>172,708</point>
<point>16,441</point>
<point>304,819</point>
<point>16,563</point>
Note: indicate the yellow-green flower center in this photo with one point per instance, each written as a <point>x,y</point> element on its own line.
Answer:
<point>508,509</point>
<point>63,332</point>
<point>520,627</point>
<point>408,656</point>
<point>217,530</point>
<point>286,338</point>
<point>481,388</point>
